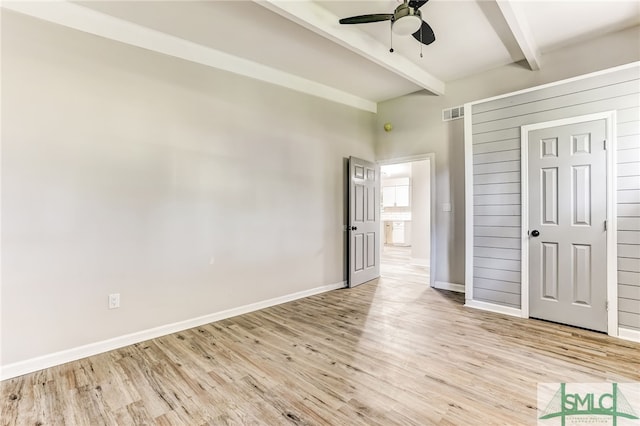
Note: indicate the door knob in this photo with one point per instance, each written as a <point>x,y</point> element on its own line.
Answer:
<point>535,233</point>
<point>354,228</point>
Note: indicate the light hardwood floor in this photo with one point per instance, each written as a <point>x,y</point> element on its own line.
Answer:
<point>395,262</point>
<point>390,352</point>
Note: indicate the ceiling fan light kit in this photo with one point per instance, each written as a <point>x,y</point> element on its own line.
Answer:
<point>406,20</point>
<point>406,25</point>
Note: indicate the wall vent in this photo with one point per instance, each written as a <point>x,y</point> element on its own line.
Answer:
<point>452,113</point>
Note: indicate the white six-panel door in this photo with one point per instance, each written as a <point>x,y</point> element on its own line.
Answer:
<point>364,221</point>
<point>567,211</point>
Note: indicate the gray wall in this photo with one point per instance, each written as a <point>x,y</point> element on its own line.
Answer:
<point>128,171</point>
<point>418,128</point>
<point>496,170</point>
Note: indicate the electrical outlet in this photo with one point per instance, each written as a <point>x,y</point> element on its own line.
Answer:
<point>114,300</point>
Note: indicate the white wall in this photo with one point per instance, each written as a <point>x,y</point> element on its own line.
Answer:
<point>421,212</point>
<point>128,171</point>
<point>418,128</point>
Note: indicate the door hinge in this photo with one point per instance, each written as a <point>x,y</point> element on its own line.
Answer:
<point>607,305</point>
<point>605,225</point>
<point>604,142</point>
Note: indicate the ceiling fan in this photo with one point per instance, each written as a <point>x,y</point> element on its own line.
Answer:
<point>405,20</point>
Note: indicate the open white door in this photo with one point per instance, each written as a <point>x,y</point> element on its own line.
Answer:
<point>364,221</point>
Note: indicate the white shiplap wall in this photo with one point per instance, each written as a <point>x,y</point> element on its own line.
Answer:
<point>495,129</point>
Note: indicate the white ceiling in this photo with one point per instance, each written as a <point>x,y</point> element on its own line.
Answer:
<point>303,38</point>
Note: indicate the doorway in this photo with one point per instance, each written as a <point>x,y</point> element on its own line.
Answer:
<point>406,216</point>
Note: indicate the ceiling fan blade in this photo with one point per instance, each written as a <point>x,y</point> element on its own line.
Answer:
<point>425,34</point>
<point>417,4</point>
<point>365,19</point>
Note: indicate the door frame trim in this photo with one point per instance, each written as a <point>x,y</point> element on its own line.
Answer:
<point>612,238</point>
<point>432,167</point>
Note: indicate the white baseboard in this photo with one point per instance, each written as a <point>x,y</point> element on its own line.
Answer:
<point>492,307</point>
<point>629,334</point>
<point>419,261</point>
<point>443,285</point>
<point>623,333</point>
<point>34,364</point>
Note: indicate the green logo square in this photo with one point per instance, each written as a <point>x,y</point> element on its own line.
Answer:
<point>575,404</point>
